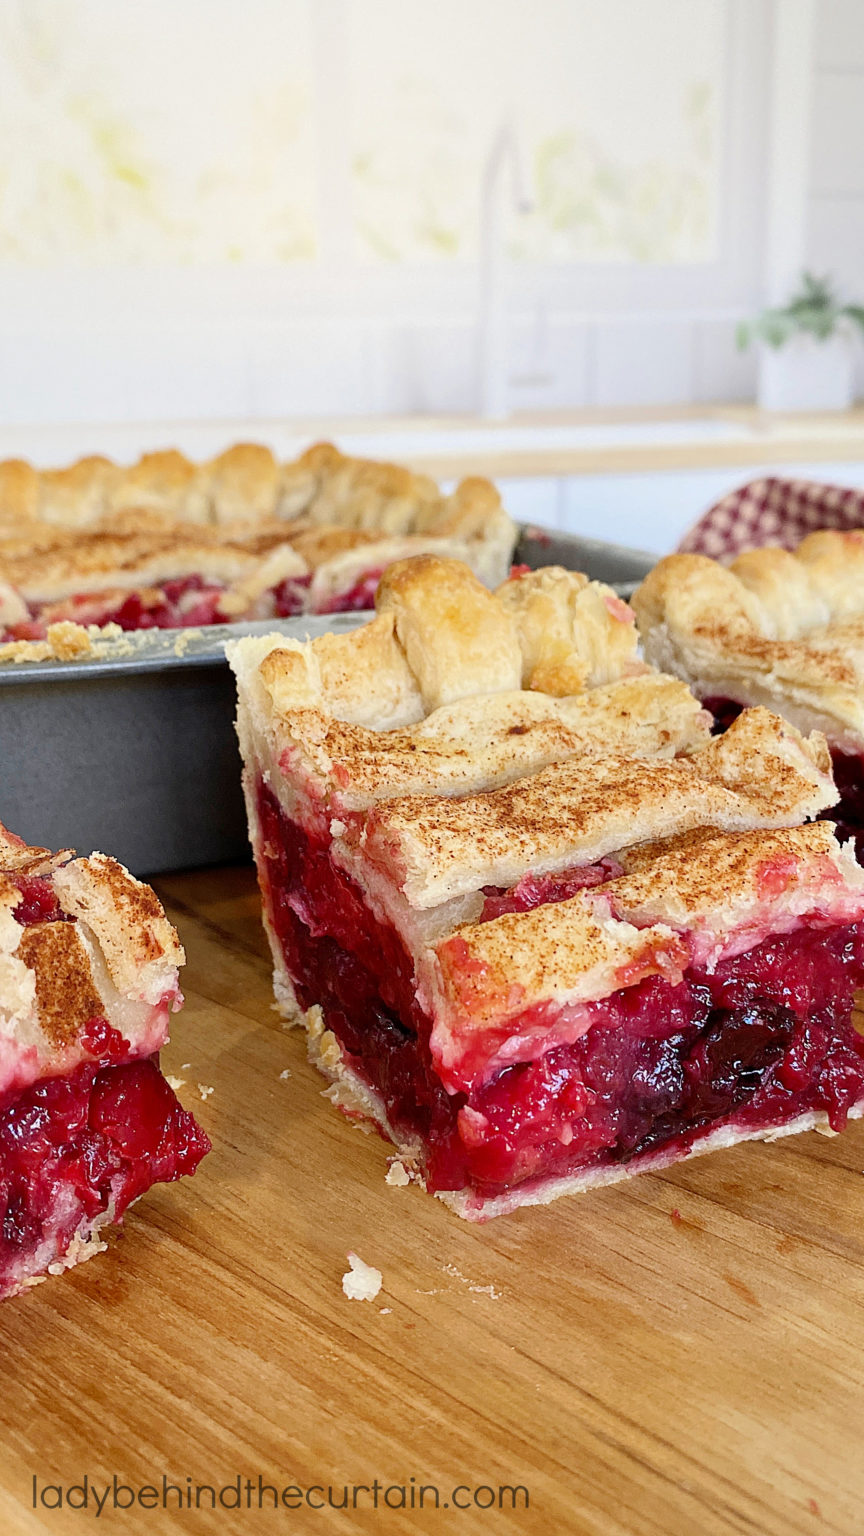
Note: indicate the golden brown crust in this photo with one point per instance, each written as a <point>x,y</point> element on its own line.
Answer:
<point>362,677</point>
<point>243,522</point>
<point>457,638</point>
<point>567,952</point>
<point>360,713</point>
<point>165,482</point>
<point>243,483</point>
<point>573,635</point>
<point>320,543</point>
<point>440,636</point>
<point>780,629</point>
<point>77,495</point>
<point>19,493</point>
<point>246,484</point>
<point>121,558</point>
<point>464,513</point>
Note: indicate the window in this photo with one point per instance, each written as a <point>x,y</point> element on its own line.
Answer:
<point>619,105</point>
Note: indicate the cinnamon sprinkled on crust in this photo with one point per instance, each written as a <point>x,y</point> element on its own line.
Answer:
<point>111,955</point>
<point>65,991</point>
<point>577,811</point>
<point>780,629</point>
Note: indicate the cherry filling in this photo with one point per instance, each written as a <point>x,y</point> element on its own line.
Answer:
<point>289,596</point>
<point>184,602</point>
<point>38,903</point>
<point>539,890</point>
<point>355,599</point>
<point>187,601</point>
<point>848,814</point>
<point>753,1044</point>
<point>73,1148</point>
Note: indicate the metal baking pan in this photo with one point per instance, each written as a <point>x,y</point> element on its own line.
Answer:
<point>135,753</point>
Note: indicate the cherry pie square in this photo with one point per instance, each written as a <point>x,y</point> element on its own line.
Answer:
<point>540,926</point>
<point>781,629</point>
<point>88,980</point>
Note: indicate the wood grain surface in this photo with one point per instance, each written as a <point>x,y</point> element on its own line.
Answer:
<point>681,1355</point>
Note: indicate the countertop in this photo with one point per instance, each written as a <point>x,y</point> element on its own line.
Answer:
<point>557,443</point>
<point>680,1354</point>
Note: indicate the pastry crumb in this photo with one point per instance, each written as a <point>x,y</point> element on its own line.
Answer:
<point>284,1075</point>
<point>175,1082</point>
<point>204,1091</point>
<point>385,1311</point>
<point>68,639</point>
<point>185,1065</point>
<point>361,1282</point>
<point>477,1290</point>
<point>182,642</point>
<point>397,1174</point>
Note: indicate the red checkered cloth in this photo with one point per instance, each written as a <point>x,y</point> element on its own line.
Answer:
<point>772,511</point>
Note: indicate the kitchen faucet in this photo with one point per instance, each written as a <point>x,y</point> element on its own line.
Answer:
<point>505,154</point>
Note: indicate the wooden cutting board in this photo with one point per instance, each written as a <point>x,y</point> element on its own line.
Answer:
<point>683,1353</point>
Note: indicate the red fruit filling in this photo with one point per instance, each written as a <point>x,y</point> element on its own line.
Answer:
<point>355,599</point>
<point>848,814</point>
<point>188,601</point>
<point>38,903</point>
<point>27,629</point>
<point>765,1038</point>
<point>540,890</point>
<point>183,603</point>
<point>73,1147</point>
<point>290,595</point>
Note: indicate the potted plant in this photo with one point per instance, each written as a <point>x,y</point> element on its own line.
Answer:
<point>806,359</point>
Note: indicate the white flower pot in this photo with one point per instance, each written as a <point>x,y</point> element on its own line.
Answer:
<point>806,374</point>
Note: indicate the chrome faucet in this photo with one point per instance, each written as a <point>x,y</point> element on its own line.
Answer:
<point>505,153</point>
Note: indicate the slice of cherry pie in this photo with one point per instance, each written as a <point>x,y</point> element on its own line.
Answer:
<point>776,628</point>
<point>540,926</point>
<point>88,980</point>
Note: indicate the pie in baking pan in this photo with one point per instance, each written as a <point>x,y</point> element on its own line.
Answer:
<point>777,628</point>
<point>88,980</point>
<point>170,544</point>
<point>540,926</point>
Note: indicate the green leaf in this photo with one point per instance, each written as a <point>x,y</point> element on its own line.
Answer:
<point>813,310</point>
<point>777,327</point>
<point>855,313</point>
